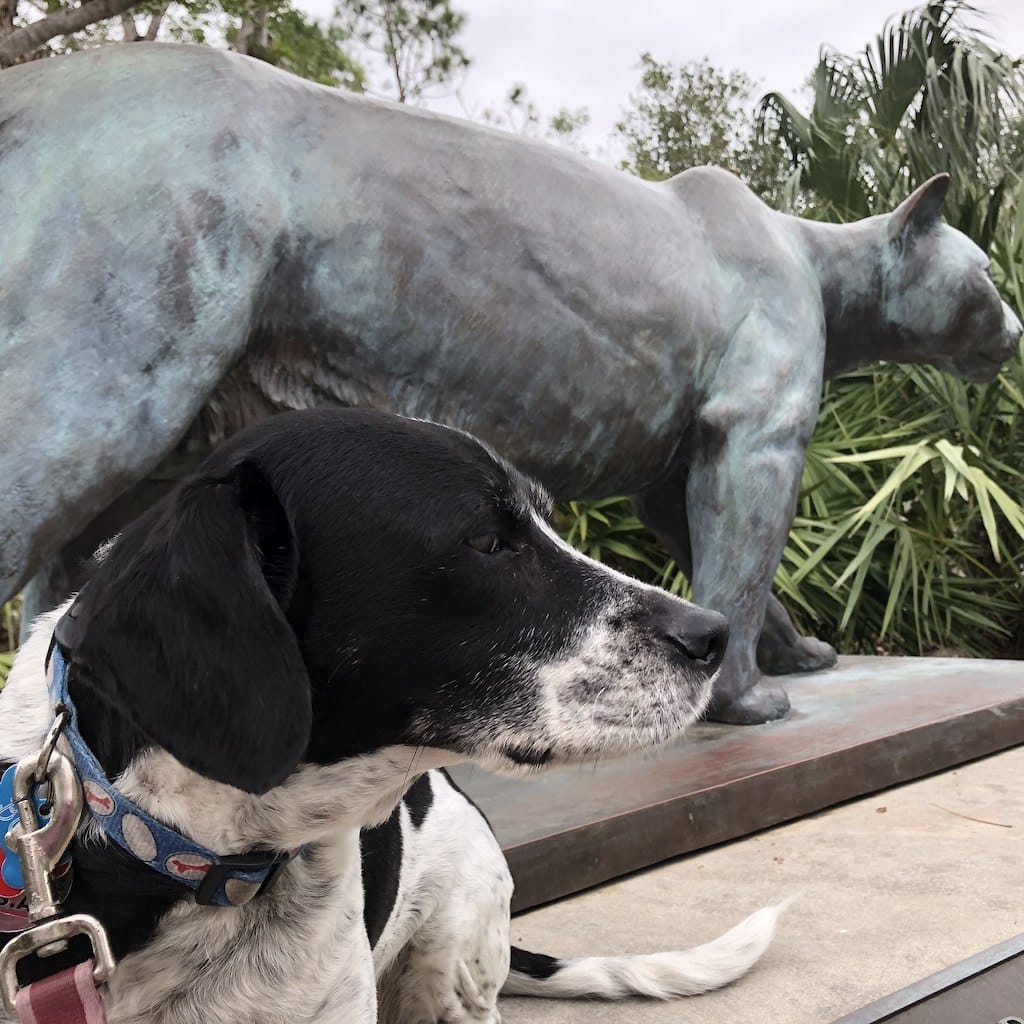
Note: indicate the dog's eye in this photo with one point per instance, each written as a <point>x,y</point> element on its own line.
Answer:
<point>486,543</point>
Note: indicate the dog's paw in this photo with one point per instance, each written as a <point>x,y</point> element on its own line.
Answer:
<point>439,990</point>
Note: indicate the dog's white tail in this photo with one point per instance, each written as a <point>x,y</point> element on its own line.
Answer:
<point>655,975</point>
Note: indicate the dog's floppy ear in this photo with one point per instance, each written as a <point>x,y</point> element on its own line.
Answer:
<point>183,631</point>
<point>921,209</point>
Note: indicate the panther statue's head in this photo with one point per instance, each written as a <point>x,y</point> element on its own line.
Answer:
<point>939,298</point>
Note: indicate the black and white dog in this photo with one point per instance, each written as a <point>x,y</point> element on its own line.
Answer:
<point>283,653</point>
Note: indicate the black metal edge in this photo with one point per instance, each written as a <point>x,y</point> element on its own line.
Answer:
<point>913,995</point>
<point>579,858</point>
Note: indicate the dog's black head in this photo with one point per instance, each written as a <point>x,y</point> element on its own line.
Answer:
<point>333,582</point>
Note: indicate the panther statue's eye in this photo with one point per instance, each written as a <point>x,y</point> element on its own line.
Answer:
<point>486,543</point>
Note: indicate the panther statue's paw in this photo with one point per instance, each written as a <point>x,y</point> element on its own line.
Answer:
<point>761,703</point>
<point>806,654</point>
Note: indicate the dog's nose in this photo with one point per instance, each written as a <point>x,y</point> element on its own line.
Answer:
<point>695,635</point>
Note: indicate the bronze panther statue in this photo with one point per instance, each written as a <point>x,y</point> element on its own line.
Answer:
<point>192,240</point>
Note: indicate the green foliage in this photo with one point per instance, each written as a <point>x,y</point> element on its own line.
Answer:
<point>521,115</point>
<point>910,526</point>
<point>692,114</point>
<point>280,34</point>
<point>609,531</point>
<point>929,94</point>
<point>909,533</point>
<point>565,126</point>
<point>417,40</point>
<point>10,615</point>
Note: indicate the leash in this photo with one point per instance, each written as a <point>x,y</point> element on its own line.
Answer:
<point>70,997</point>
<point>40,839</point>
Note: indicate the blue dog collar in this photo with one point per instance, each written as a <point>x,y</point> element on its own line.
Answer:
<point>228,881</point>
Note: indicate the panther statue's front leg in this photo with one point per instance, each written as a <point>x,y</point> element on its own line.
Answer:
<point>744,469</point>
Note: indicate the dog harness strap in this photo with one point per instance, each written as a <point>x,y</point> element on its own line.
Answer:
<point>69,997</point>
<point>222,881</point>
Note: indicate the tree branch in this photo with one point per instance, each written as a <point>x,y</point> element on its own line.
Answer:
<point>391,49</point>
<point>154,23</point>
<point>24,40</point>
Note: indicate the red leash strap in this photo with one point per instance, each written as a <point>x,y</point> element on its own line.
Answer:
<point>70,997</point>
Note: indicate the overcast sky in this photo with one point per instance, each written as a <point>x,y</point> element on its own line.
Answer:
<point>584,52</point>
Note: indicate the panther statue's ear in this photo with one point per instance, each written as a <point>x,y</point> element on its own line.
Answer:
<point>921,209</point>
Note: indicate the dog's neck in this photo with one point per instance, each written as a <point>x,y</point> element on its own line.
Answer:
<point>850,262</point>
<point>313,805</point>
<point>321,808</point>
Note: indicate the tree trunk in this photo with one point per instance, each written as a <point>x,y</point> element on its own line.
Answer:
<point>130,29</point>
<point>154,24</point>
<point>253,38</point>
<point>8,8</point>
<point>392,49</point>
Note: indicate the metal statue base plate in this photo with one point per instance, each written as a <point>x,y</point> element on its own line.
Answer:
<point>986,989</point>
<point>867,724</point>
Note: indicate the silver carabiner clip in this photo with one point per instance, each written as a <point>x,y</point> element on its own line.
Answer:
<point>40,846</point>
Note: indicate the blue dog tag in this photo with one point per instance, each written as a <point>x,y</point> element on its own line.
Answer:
<point>10,867</point>
<point>11,880</point>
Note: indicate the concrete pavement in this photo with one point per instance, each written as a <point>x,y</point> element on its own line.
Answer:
<point>889,889</point>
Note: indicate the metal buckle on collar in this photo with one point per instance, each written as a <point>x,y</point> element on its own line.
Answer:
<point>39,848</point>
<point>217,873</point>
